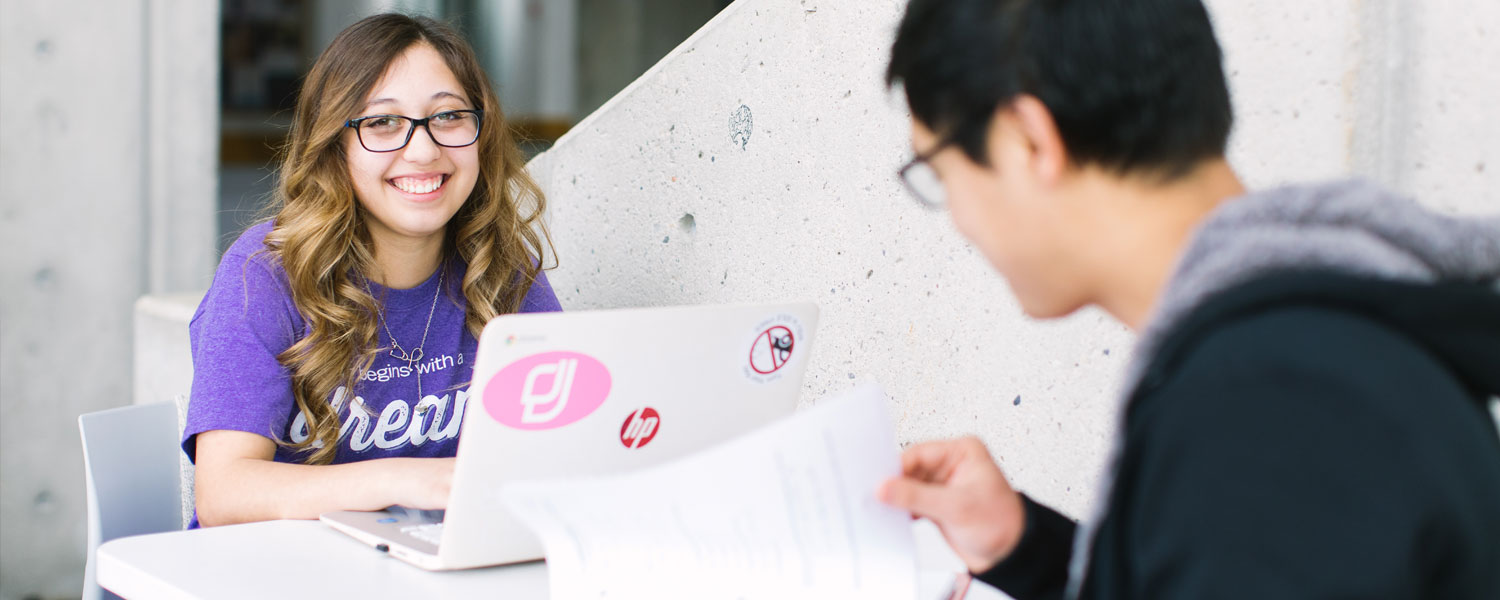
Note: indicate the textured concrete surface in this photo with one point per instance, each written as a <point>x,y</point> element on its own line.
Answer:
<point>756,163</point>
<point>181,143</point>
<point>1447,151</point>
<point>107,152</point>
<point>72,187</point>
<point>1399,92</point>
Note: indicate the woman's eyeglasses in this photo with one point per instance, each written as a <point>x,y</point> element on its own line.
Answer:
<point>389,133</point>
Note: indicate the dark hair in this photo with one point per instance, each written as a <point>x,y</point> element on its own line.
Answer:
<point>1133,85</point>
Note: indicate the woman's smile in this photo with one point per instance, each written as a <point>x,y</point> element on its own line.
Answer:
<point>421,187</point>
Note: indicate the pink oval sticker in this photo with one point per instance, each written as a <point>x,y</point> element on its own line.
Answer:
<point>548,390</point>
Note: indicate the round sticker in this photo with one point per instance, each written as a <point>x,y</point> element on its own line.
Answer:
<point>771,350</point>
<point>773,347</point>
<point>640,427</point>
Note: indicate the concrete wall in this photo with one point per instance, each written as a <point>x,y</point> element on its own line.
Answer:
<point>107,151</point>
<point>756,163</point>
<point>1400,92</point>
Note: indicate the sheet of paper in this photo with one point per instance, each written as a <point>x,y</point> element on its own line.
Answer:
<point>788,511</point>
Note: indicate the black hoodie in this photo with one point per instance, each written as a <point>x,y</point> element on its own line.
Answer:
<point>1307,417</point>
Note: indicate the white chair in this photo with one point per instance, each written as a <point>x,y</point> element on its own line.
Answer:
<point>185,480</point>
<point>131,470</point>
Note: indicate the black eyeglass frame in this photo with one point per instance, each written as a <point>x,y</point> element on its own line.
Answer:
<point>921,159</point>
<point>415,123</point>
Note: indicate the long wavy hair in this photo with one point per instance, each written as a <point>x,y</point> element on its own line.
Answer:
<point>320,234</point>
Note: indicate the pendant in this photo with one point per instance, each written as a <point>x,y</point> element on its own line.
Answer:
<point>399,353</point>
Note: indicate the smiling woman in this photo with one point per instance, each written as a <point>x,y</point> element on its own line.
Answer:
<point>390,249</point>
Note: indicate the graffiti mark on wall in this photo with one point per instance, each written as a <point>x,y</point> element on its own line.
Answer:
<point>740,125</point>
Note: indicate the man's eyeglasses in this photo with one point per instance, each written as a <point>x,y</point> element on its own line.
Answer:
<point>389,133</point>
<point>922,181</point>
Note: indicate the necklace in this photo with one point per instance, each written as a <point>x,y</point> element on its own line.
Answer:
<point>414,355</point>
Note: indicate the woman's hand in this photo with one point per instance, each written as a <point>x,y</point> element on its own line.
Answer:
<point>959,487</point>
<point>422,483</point>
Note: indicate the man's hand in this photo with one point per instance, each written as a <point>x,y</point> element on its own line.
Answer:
<point>957,485</point>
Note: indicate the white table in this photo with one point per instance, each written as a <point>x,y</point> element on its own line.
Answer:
<point>307,559</point>
<point>290,559</point>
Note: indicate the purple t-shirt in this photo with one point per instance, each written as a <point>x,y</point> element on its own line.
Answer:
<point>247,319</point>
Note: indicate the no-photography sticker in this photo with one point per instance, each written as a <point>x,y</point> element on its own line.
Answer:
<point>775,344</point>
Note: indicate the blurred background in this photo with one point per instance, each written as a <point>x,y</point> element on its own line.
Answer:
<point>136,138</point>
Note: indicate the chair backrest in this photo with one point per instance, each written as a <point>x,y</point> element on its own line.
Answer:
<point>130,463</point>
<point>186,466</point>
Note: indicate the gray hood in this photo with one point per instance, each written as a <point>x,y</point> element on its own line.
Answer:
<point>1353,227</point>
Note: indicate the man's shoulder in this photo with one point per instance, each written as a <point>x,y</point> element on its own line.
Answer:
<point>1299,325</point>
<point>1297,392</point>
<point>1294,354</point>
<point>1297,338</point>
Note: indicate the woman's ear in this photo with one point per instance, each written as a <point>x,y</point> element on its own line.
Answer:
<point>1031,124</point>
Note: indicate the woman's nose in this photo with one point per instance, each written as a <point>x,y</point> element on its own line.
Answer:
<point>421,149</point>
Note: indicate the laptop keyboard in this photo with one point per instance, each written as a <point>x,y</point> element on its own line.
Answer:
<point>431,533</point>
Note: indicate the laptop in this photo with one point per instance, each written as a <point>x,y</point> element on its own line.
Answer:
<point>587,393</point>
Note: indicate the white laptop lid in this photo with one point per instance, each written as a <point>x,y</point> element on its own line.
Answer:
<point>588,393</point>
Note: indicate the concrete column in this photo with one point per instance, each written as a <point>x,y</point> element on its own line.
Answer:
<point>557,59</point>
<point>332,16</point>
<point>73,180</point>
<point>531,50</point>
<point>107,157</point>
<point>1444,103</point>
<point>609,48</point>
<point>182,141</point>
<point>1381,90</point>
<point>1398,92</point>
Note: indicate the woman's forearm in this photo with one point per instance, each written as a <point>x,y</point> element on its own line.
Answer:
<point>241,490</point>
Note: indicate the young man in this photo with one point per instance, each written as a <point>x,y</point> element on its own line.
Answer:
<point>1307,412</point>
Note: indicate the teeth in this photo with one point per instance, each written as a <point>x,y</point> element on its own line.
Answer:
<point>417,186</point>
